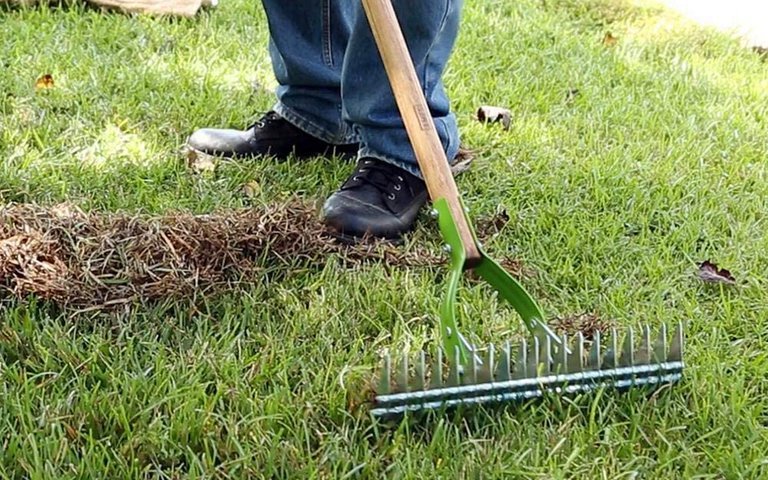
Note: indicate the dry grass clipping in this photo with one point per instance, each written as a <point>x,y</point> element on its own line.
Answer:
<point>101,261</point>
<point>586,323</point>
<point>93,260</point>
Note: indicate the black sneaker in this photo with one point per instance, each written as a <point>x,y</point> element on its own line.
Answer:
<point>379,200</point>
<point>271,135</point>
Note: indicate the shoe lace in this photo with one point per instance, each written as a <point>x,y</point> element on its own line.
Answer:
<point>265,119</point>
<point>379,175</point>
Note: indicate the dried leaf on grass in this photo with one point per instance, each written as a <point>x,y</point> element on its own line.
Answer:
<point>711,273</point>
<point>491,114</point>
<point>609,39</point>
<point>586,323</point>
<point>572,94</point>
<point>463,160</point>
<point>44,82</point>
<point>199,162</point>
<point>99,261</point>
<point>252,189</point>
<point>486,227</point>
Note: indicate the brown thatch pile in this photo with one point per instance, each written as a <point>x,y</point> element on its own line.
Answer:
<point>97,261</point>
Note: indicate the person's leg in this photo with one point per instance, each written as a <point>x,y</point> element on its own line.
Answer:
<point>308,40</point>
<point>384,194</point>
<point>430,28</point>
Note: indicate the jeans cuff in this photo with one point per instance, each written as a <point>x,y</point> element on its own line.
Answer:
<point>411,168</point>
<point>312,128</point>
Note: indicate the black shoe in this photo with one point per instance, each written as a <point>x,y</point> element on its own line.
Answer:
<point>271,135</point>
<point>379,199</point>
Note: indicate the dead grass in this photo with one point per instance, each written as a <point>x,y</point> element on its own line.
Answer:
<point>100,261</point>
<point>83,260</point>
<point>586,323</point>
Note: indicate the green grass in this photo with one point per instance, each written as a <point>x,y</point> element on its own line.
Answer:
<point>657,163</point>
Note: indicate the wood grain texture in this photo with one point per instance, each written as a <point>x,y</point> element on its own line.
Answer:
<point>416,116</point>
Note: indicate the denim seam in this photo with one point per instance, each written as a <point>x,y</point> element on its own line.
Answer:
<point>327,47</point>
<point>440,29</point>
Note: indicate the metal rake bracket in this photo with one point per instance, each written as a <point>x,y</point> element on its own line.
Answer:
<point>529,370</point>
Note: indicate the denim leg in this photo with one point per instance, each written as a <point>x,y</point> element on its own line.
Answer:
<point>308,39</point>
<point>430,28</point>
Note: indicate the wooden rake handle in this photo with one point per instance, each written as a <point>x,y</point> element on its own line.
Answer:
<point>418,121</point>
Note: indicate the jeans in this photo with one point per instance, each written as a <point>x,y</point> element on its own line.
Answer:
<point>332,82</point>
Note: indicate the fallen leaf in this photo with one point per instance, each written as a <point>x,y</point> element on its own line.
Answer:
<point>493,224</point>
<point>71,432</point>
<point>490,114</point>
<point>200,162</point>
<point>711,273</point>
<point>571,94</point>
<point>462,161</point>
<point>44,82</point>
<point>251,189</point>
<point>609,40</point>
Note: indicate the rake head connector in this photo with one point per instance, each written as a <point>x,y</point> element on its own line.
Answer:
<point>531,369</point>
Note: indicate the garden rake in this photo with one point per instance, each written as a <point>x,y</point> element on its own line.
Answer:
<point>544,363</point>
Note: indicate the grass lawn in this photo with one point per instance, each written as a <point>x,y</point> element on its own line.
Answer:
<point>628,161</point>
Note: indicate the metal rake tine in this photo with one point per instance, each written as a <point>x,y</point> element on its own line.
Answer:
<point>504,370</point>
<point>488,369</point>
<point>532,369</point>
<point>385,379</point>
<point>471,377</point>
<point>545,364</point>
<point>576,357</point>
<point>676,348</point>
<point>436,378</point>
<point>643,354</point>
<point>561,361</point>
<point>403,373</point>
<point>420,380</point>
<point>521,360</point>
<point>454,369</point>
<point>595,353</point>
<point>628,351</point>
<point>612,354</point>
<point>660,347</point>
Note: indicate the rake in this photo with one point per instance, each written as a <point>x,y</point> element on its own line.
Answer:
<point>460,374</point>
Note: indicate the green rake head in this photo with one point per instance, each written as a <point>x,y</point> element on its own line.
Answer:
<point>543,363</point>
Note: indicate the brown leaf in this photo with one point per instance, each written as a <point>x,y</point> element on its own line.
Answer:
<point>486,226</point>
<point>71,432</point>
<point>609,40</point>
<point>44,82</point>
<point>490,114</point>
<point>711,273</point>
